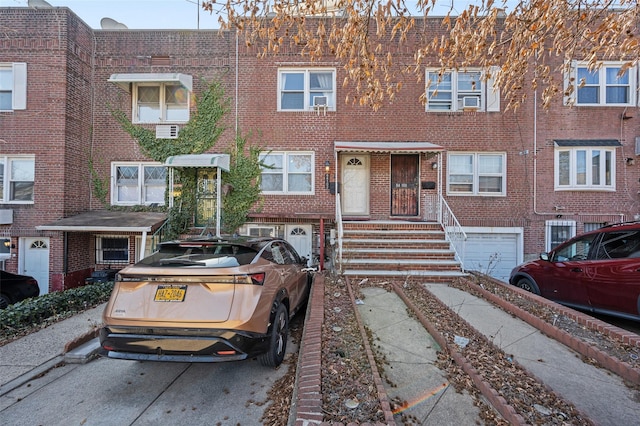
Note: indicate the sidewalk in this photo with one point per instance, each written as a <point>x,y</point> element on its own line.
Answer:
<point>32,355</point>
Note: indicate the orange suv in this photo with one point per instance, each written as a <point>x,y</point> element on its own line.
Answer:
<point>598,271</point>
<point>207,300</point>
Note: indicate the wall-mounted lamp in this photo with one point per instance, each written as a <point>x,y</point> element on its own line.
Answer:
<point>434,165</point>
<point>327,169</point>
<point>630,161</point>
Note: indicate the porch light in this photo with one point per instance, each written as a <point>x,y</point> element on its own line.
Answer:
<point>434,165</point>
<point>327,169</point>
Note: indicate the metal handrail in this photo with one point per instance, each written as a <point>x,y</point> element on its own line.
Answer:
<point>158,236</point>
<point>452,230</point>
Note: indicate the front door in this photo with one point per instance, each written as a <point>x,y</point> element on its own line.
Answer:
<point>354,193</point>
<point>300,237</point>
<point>35,261</point>
<point>206,198</point>
<point>405,178</point>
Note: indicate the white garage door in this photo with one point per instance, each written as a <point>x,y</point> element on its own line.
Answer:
<point>493,251</point>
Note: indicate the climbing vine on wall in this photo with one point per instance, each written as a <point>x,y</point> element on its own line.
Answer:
<point>196,137</point>
<point>244,180</point>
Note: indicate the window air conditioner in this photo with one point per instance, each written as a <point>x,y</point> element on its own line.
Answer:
<point>320,101</point>
<point>167,131</point>
<point>471,102</point>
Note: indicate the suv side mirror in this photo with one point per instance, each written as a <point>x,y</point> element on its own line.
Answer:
<point>544,256</point>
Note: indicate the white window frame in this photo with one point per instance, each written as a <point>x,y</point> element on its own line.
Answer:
<point>588,185</point>
<point>285,171</point>
<point>570,228</point>
<point>163,105</point>
<point>476,174</point>
<point>488,93</point>
<point>15,84</point>
<point>141,187</point>
<point>263,230</point>
<point>571,78</point>
<point>308,93</point>
<point>100,251</point>
<point>6,179</point>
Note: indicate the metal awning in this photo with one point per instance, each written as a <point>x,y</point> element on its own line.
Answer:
<point>124,80</point>
<point>107,221</point>
<point>403,147</point>
<point>220,161</point>
<point>587,142</point>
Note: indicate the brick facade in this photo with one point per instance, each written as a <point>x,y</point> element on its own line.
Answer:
<point>68,125</point>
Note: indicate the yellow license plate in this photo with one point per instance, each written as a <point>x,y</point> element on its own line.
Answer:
<point>170,293</point>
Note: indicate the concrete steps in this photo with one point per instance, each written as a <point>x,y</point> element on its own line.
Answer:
<point>397,249</point>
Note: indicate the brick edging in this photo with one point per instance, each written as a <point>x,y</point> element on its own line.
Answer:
<point>615,365</point>
<point>498,402</point>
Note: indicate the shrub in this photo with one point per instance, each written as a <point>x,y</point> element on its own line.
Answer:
<point>38,312</point>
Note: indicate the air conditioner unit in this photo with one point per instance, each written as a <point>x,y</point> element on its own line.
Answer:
<point>167,131</point>
<point>471,102</point>
<point>320,101</point>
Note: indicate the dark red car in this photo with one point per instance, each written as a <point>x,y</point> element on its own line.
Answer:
<point>14,288</point>
<point>598,271</point>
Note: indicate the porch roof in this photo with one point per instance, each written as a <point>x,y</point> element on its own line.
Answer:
<point>124,80</point>
<point>199,160</point>
<point>107,221</point>
<point>404,147</point>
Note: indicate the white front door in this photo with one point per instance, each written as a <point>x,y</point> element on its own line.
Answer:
<point>300,237</point>
<point>35,260</point>
<point>354,194</point>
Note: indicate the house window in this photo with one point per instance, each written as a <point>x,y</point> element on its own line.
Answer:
<point>261,231</point>
<point>138,184</point>
<point>558,231</point>
<point>476,174</point>
<point>306,89</point>
<point>112,249</point>
<point>603,86</point>
<point>461,91</point>
<point>584,168</point>
<point>17,175</point>
<point>13,86</point>
<point>287,172</point>
<point>160,102</point>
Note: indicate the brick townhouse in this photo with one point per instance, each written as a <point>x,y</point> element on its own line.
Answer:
<point>516,182</point>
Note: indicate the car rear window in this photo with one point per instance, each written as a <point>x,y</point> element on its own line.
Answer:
<point>218,255</point>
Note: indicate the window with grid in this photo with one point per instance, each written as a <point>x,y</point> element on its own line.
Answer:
<point>112,249</point>
<point>299,88</point>
<point>160,102</point>
<point>587,168</point>
<point>17,179</point>
<point>609,84</point>
<point>287,172</point>
<point>455,90</point>
<point>558,231</point>
<point>476,174</point>
<point>138,184</point>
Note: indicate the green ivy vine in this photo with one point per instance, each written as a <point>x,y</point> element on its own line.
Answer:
<point>198,136</point>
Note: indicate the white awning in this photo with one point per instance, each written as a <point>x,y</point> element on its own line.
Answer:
<point>199,160</point>
<point>124,80</point>
<point>404,147</point>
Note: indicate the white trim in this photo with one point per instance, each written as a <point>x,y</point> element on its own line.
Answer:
<point>141,199</point>
<point>573,173</point>
<point>307,104</point>
<point>475,192</point>
<point>124,80</point>
<point>285,172</point>
<point>571,78</point>
<point>548,224</point>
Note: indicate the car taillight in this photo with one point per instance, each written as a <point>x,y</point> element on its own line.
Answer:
<point>33,282</point>
<point>257,279</point>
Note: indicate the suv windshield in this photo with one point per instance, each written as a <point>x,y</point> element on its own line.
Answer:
<point>212,255</point>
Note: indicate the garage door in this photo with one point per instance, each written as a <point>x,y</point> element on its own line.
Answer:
<point>493,251</point>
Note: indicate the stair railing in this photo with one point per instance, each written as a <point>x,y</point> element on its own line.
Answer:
<point>340,227</point>
<point>452,230</point>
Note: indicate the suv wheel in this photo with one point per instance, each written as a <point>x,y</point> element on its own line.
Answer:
<point>529,285</point>
<point>278,341</point>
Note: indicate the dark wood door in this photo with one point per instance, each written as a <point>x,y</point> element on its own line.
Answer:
<point>404,185</point>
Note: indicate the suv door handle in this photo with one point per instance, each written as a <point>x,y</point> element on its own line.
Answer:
<point>576,269</point>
